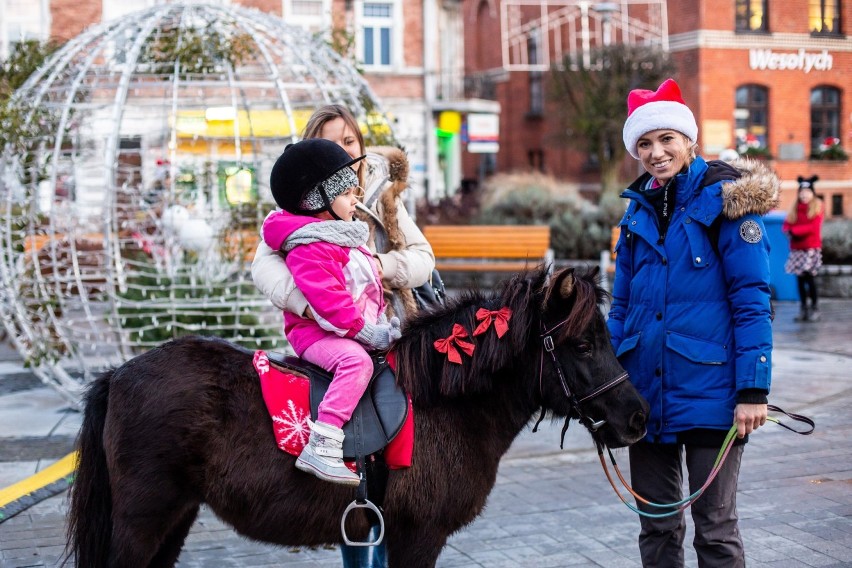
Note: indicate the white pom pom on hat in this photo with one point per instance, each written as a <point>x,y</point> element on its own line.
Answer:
<point>657,110</point>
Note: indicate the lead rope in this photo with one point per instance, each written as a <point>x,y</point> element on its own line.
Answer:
<point>717,466</point>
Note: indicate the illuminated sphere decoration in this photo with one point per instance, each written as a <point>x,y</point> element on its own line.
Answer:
<point>134,180</point>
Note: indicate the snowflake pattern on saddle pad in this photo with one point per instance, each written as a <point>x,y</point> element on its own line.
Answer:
<point>292,430</point>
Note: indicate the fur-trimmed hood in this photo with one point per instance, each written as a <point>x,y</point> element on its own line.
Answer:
<point>757,191</point>
<point>387,178</point>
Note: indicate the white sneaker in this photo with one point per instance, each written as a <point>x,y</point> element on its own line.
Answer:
<point>323,455</point>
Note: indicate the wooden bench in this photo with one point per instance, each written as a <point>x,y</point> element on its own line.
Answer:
<point>489,248</point>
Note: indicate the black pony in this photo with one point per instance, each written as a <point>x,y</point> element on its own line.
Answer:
<point>185,424</point>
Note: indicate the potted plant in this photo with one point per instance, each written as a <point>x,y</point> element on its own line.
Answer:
<point>830,149</point>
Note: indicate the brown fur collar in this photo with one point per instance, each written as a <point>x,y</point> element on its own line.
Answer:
<point>397,182</point>
<point>397,166</point>
<point>757,191</point>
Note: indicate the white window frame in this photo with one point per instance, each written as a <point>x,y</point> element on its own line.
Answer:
<point>114,9</point>
<point>394,23</point>
<point>318,23</point>
<point>28,20</point>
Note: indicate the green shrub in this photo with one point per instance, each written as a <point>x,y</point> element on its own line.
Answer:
<point>579,229</point>
<point>837,241</point>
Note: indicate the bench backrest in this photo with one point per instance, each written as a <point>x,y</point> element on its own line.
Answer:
<point>489,241</point>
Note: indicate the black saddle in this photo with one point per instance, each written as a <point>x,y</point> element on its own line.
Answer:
<point>380,413</point>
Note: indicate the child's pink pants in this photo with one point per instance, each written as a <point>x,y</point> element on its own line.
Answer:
<point>352,368</point>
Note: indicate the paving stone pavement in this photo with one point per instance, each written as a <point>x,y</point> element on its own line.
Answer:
<point>550,508</point>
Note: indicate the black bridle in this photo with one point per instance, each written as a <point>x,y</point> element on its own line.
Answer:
<point>549,346</point>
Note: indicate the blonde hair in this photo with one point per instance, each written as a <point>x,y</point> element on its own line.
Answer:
<point>327,113</point>
<point>814,208</point>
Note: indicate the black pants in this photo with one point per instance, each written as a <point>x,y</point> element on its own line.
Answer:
<point>807,288</point>
<point>656,473</point>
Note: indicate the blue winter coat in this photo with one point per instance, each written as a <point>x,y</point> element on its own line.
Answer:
<point>690,318</point>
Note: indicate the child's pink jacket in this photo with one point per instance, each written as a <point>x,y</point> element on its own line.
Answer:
<point>341,284</point>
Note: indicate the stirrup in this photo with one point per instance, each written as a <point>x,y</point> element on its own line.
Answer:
<point>366,504</point>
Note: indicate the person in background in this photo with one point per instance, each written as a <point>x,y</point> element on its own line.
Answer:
<point>803,226</point>
<point>324,249</point>
<point>690,322</point>
<point>403,254</point>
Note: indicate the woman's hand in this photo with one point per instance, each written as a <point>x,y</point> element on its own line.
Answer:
<point>379,267</point>
<point>749,417</point>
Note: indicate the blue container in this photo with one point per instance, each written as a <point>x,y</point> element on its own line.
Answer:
<point>784,287</point>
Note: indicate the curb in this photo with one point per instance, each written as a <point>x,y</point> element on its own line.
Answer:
<point>50,481</point>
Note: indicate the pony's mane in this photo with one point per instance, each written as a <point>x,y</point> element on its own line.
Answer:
<point>526,294</point>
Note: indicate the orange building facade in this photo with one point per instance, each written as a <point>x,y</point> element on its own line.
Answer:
<point>771,78</point>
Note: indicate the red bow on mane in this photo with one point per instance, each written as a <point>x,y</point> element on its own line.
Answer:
<point>456,339</point>
<point>500,318</point>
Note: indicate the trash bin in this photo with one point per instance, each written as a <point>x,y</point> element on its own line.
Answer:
<point>784,287</point>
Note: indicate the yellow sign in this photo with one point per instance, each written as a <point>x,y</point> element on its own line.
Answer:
<point>450,121</point>
<point>271,123</point>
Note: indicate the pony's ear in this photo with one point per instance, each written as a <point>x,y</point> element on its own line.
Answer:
<point>566,288</point>
<point>562,283</point>
<point>800,179</point>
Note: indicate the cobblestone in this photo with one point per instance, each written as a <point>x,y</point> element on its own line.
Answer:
<point>553,508</point>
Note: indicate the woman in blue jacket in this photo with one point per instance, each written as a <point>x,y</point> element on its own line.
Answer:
<point>690,321</point>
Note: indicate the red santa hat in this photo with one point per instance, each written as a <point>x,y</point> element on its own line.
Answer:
<point>657,110</point>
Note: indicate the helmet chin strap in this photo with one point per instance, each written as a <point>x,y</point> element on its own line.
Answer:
<point>328,205</point>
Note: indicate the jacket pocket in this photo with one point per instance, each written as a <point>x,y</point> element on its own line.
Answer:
<point>697,350</point>
<point>700,248</point>
<point>628,344</point>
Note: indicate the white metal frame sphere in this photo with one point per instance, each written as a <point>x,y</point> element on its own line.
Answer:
<point>134,190</point>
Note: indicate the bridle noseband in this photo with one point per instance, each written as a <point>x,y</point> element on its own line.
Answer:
<point>575,402</point>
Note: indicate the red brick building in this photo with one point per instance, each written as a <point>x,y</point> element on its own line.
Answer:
<point>774,76</point>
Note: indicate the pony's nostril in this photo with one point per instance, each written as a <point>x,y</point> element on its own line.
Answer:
<point>638,421</point>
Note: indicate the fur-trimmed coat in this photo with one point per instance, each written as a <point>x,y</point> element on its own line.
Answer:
<point>404,254</point>
<point>690,317</point>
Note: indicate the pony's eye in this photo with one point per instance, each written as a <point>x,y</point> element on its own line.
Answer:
<point>584,348</point>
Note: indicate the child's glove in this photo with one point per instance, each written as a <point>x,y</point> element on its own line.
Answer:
<point>379,335</point>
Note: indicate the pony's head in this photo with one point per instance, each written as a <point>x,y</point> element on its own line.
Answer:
<point>518,341</point>
<point>580,374</point>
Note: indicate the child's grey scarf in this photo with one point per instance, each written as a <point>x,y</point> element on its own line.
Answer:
<point>343,233</point>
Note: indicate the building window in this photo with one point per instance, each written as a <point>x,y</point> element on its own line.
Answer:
<point>535,157</point>
<point>115,9</point>
<point>21,21</point>
<point>751,120</point>
<point>825,116</point>
<point>377,26</point>
<point>824,16</point>
<point>751,16</point>
<point>837,205</point>
<point>313,15</point>
<point>536,91</point>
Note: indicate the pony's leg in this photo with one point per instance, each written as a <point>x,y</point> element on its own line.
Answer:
<point>170,550</point>
<point>140,533</point>
<point>414,549</point>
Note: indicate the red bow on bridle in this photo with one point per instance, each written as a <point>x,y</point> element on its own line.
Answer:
<point>456,339</point>
<point>500,318</point>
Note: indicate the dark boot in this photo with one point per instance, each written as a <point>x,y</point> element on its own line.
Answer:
<point>804,313</point>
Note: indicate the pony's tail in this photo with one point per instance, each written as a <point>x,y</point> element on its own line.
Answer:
<point>90,511</point>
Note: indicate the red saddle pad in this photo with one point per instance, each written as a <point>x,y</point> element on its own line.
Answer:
<point>287,398</point>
